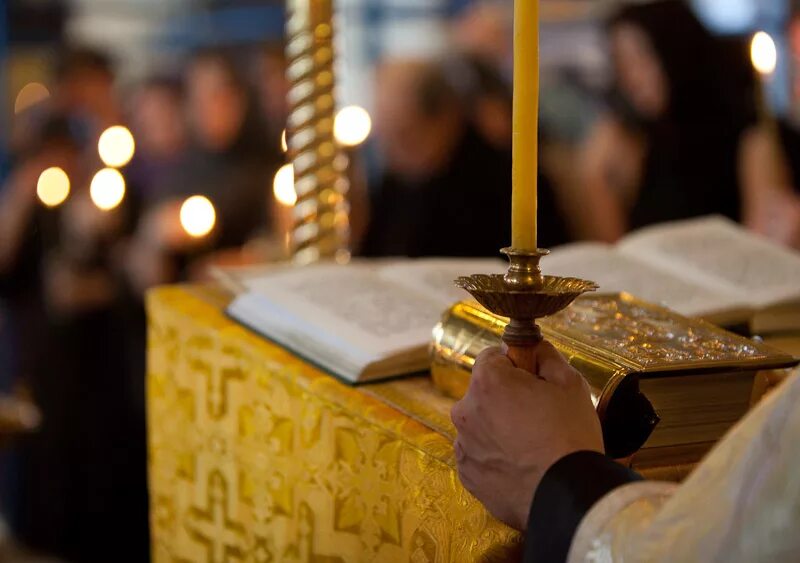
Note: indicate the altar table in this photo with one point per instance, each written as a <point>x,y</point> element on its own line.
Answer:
<point>255,455</point>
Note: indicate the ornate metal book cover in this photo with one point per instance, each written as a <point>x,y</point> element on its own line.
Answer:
<point>697,376</point>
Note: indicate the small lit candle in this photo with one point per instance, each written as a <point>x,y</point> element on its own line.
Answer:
<point>198,216</point>
<point>764,53</point>
<point>52,187</point>
<point>526,124</point>
<point>107,189</point>
<point>116,146</point>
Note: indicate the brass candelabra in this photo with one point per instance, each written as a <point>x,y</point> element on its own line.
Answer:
<point>321,214</point>
<point>524,295</point>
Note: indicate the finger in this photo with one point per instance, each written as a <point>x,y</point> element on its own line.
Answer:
<point>458,415</point>
<point>468,474</point>
<point>486,372</point>
<point>490,364</point>
<point>553,367</point>
<point>459,451</point>
<point>495,357</point>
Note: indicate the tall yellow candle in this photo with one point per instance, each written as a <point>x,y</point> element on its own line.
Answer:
<point>526,124</point>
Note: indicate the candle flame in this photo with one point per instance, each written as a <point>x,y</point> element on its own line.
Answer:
<point>283,186</point>
<point>53,186</point>
<point>107,189</point>
<point>352,126</point>
<point>116,146</point>
<point>764,53</point>
<point>198,216</point>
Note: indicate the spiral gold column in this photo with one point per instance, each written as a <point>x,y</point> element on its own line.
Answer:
<point>321,215</point>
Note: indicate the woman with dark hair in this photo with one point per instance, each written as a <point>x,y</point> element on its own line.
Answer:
<point>668,148</point>
<point>229,160</point>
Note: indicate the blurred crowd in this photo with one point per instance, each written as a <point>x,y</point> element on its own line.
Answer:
<point>682,132</point>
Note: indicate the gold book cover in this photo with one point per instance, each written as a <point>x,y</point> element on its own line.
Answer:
<point>665,386</point>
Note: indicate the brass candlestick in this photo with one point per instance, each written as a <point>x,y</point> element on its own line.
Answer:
<point>524,295</point>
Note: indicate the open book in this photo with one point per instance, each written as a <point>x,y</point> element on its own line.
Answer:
<point>708,267</point>
<point>373,320</point>
<point>360,322</point>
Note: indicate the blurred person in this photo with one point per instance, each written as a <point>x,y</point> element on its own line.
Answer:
<point>81,494</point>
<point>159,127</point>
<point>485,30</point>
<point>770,168</point>
<point>669,145</point>
<point>768,154</point>
<point>445,190</point>
<point>770,175</point>
<point>106,456</point>
<point>273,89</point>
<point>230,160</point>
<point>489,101</point>
<point>789,136</point>
<point>28,235</point>
<point>85,91</point>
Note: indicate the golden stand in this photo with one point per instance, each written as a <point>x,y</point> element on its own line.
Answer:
<point>321,215</point>
<point>524,295</point>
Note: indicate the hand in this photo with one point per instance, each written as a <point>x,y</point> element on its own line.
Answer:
<point>778,217</point>
<point>25,177</point>
<point>161,227</point>
<point>513,426</point>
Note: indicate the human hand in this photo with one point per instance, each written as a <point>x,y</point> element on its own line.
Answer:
<point>776,216</point>
<point>161,227</point>
<point>144,265</point>
<point>513,426</point>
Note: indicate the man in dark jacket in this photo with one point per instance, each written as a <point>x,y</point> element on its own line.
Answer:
<point>445,190</point>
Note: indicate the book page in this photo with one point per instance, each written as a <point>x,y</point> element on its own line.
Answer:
<point>616,272</point>
<point>717,252</point>
<point>436,277</point>
<point>239,279</point>
<point>351,307</point>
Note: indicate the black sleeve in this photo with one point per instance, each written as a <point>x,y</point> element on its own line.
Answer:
<point>567,492</point>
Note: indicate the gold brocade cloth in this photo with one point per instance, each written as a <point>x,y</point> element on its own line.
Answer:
<point>256,456</point>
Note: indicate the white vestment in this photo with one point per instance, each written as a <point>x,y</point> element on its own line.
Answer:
<point>741,504</point>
